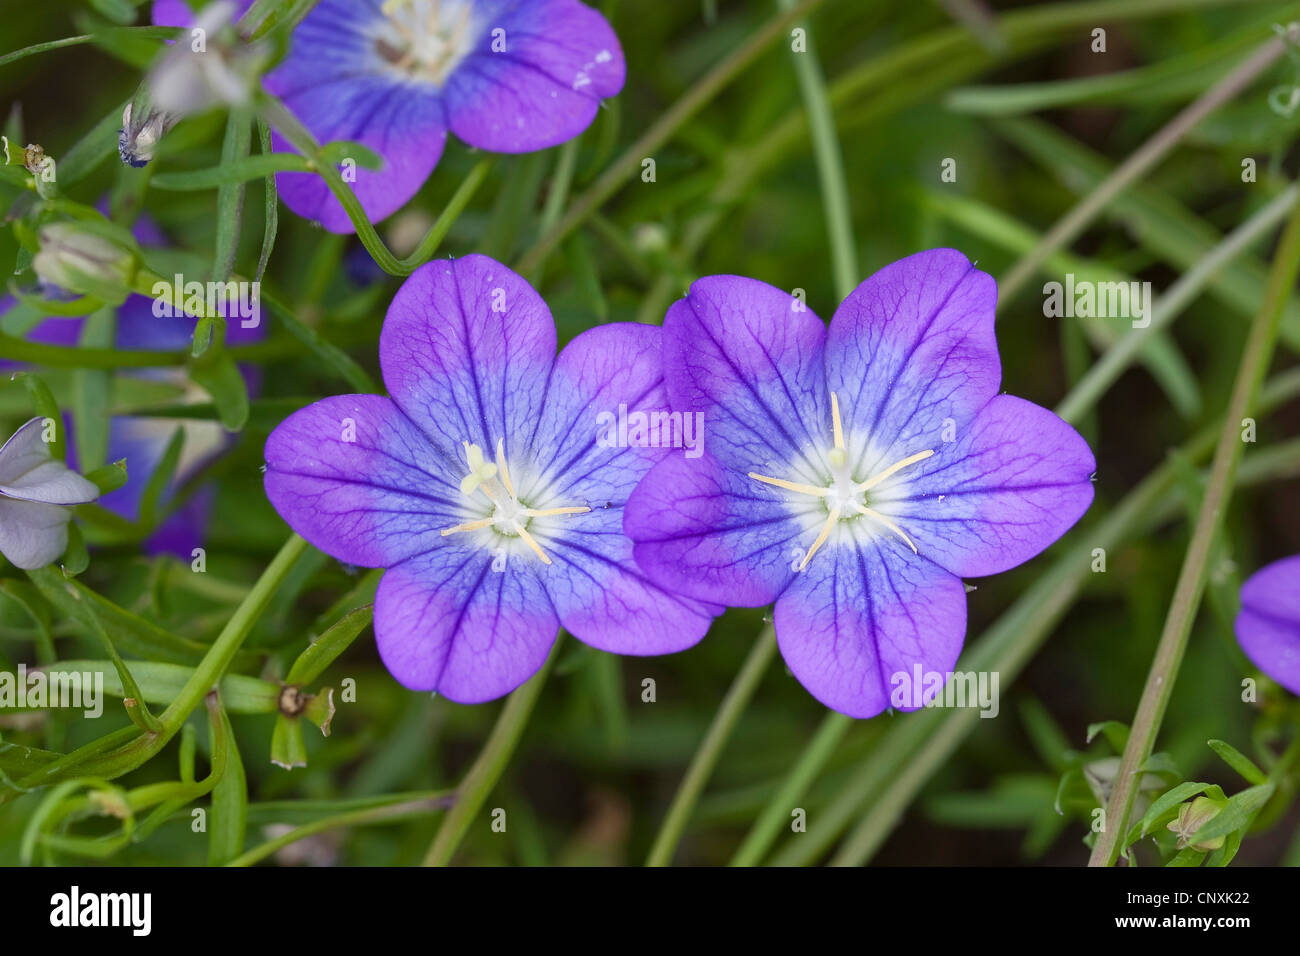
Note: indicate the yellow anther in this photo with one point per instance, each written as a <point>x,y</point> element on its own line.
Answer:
<point>534,513</point>
<point>831,518</point>
<point>792,485</point>
<point>872,513</point>
<point>528,540</point>
<point>896,466</point>
<point>468,526</point>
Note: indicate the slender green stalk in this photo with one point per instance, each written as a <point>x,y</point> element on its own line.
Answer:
<point>710,749</point>
<point>391,813</point>
<point>915,748</point>
<point>1191,579</point>
<point>489,765</point>
<point>301,139</point>
<point>620,171</point>
<point>830,164</point>
<point>206,675</point>
<point>1090,388</point>
<point>1071,225</point>
<point>777,812</point>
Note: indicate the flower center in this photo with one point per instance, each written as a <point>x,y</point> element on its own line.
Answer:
<point>425,39</point>
<point>509,516</point>
<point>844,496</point>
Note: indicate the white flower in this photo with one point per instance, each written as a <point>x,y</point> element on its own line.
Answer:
<point>207,68</point>
<point>35,490</point>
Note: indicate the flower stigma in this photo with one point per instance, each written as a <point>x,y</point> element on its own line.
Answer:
<point>509,516</point>
<point>424,39</point>
<point>845,497</point>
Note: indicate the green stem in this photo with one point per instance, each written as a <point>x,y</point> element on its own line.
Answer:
<point>392,813</point>
<point>915,748</point>
<point>620,171</point>
<point>490,764</point>
<point>1072,224</point>
<point>1191,579</point>
<point>830,164</point>
<point>777,812</point>
<point>1090,388</point>
<point>205,677</point>
<point>300,138</point>
<point>710,749</point>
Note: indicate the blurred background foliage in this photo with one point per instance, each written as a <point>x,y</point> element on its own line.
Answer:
<point>1034,118</point>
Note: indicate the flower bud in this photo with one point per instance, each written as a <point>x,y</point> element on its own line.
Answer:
<point>136,140</point>
<point>1191,817</point>
<point>78,260</point>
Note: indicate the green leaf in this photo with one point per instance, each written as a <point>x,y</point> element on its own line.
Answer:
<point>329,354</point>
<point>1238,814</point>
<point>47,409</point>
<point>271,211</point>
<point>75,557</point>
<point>1238,761</point>
<point>108,477</point>
<point>219,376</point>
<point>365,157</point>
<point>229,816</point>
<point>161,479</point>
<point>288,747</point>
<point>162,683</point>
<point>1162,805</point>
<point>1188,856</point>
<point>234,173</point>
<point>323,651</point>
<point>1116,733</point>
<point>129,632</point>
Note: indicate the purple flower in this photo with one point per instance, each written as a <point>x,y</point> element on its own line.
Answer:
<point>510,76</point>
<point>1268,625</point>
<point>483,486</point>
<point>854,475</point>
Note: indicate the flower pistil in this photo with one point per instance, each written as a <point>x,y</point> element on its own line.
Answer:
<point>509,516</point>
<point>845,497</point>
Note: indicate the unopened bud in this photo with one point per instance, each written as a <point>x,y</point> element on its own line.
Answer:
<point>76,260</point>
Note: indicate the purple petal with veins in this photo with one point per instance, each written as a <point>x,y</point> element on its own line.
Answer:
<point>482,487</point>
<point>853,473</point>
<point>1268,624</point>
<point>509,76</point>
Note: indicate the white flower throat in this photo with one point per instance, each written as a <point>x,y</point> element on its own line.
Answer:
<point>508,516</point>
<point>425,39</point>
<point>844,496</point>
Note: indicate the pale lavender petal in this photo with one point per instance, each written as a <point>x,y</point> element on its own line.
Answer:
<point>1014,480</point>
<point>1268,624</point>
<point>860,622</point>
<point>560,59</point>
<point>29,472</point>
<point>355,478</point>
<point>909,350</point>
<point>710,532</point>
<point>446,621</point>
<point>466,351</point>
<point>32,534</point>
<point>750,357</point>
